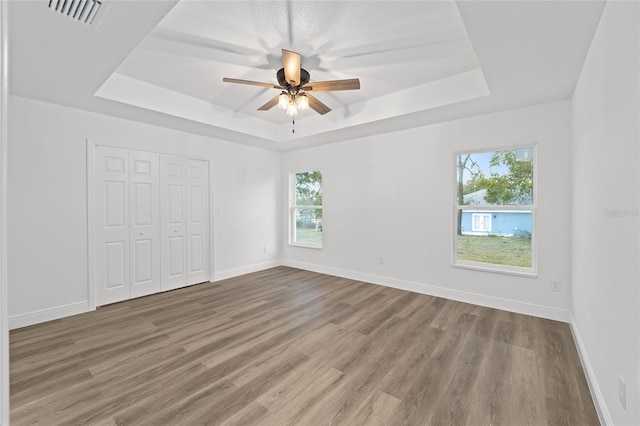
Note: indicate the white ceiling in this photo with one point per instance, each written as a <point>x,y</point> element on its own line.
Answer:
<point>419,62</point>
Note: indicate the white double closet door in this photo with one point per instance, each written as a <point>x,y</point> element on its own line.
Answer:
<point>150,217</point>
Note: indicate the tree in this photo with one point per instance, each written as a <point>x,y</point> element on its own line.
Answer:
<point>477,182</point>
<point>309,193</point>
<point>309,188</point>
<point>515,187</point>
<point>465,162</point>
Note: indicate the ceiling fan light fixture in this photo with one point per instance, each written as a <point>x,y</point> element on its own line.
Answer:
<point>294,83</point>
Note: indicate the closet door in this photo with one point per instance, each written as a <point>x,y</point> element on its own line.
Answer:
<point>197,209</point>
<point>144,191</point>
<point>151,216</point>
<point>174,225</point>
<point>111,240</point>
<point>185,217</point>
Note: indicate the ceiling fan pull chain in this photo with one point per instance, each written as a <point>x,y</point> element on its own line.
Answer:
<point>293,125</point>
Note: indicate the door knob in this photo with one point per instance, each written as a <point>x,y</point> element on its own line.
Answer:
<point>142,233</point>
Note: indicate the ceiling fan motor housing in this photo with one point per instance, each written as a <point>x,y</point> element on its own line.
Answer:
<point>304,79</point>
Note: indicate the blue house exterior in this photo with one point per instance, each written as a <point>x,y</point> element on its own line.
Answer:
<point>504,223</point>
<point>494,221</point>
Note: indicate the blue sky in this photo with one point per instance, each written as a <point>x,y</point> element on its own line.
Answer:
<point>482,159</point>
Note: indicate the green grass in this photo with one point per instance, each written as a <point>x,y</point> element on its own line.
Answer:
<point>514,251</point>
<point>308,236</point>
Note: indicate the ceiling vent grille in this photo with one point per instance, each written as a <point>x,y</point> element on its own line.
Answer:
<point>80,10</point>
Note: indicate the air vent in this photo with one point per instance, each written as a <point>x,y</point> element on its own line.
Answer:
<point>80,10</point>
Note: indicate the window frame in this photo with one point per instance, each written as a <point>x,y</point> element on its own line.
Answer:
<point>293,207</point>
<point>532,271</point>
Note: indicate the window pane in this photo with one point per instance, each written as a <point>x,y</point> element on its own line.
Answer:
<point>496,178</point>
<point>500,238</point>
<point>309,189</point>
<point>308,226</point>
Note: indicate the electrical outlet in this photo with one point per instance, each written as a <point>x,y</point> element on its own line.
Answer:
<point>381,260</point>
<point>556,285</point>
<point>622,392</point>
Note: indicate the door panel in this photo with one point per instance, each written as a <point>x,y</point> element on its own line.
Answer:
<point>176,254</point>
<point>195,212</point>
<point>144,181</point>
<point>115,164</point>
<point>176,205</point>
<point>142,204</point>
<point>197,256</point>
<point>111,240</point>
<point>142,255</point>
<point>115,203</point>
<point>175,167</point>
<point>115,265</point>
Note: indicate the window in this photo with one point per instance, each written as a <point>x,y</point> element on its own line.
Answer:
<point>306,209</point>
<point>495,211</point>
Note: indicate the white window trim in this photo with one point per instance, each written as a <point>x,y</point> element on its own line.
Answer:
<point>292,211</point>
<point>531,272</point>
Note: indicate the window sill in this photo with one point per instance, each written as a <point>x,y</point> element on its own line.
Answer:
<point>309,246</point>
<point>484,267</point>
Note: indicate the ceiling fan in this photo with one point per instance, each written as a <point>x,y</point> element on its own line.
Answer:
<point>294,82</point>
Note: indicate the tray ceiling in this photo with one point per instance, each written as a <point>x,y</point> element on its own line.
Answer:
<point>419,62</point>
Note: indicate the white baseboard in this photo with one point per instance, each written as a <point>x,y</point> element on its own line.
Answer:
<point>432,290</point>
<point>230,273</point>
<point>596,393</point>
<point>49,314</point>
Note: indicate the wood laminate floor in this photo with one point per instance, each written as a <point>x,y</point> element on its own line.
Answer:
<point>290,347</point>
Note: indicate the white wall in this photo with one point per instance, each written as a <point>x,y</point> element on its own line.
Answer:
<point>47,202</point>
<point>392,195</point>
<point>4,299</point>
<point>606,186</point>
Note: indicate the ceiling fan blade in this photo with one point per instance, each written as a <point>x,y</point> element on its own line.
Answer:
<point>272,102</point>
<point>291,65</point>
<point>333,85</point>
<point>251,83</point>
<point>317,106</point>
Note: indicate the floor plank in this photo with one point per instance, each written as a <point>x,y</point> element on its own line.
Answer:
<point>292,347</point>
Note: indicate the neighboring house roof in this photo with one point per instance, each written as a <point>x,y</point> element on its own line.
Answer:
<point>477,198</point>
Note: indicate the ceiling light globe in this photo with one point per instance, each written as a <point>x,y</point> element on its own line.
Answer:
<point>292,109</point>
<point>303,102</point>
<point>283,100</point>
